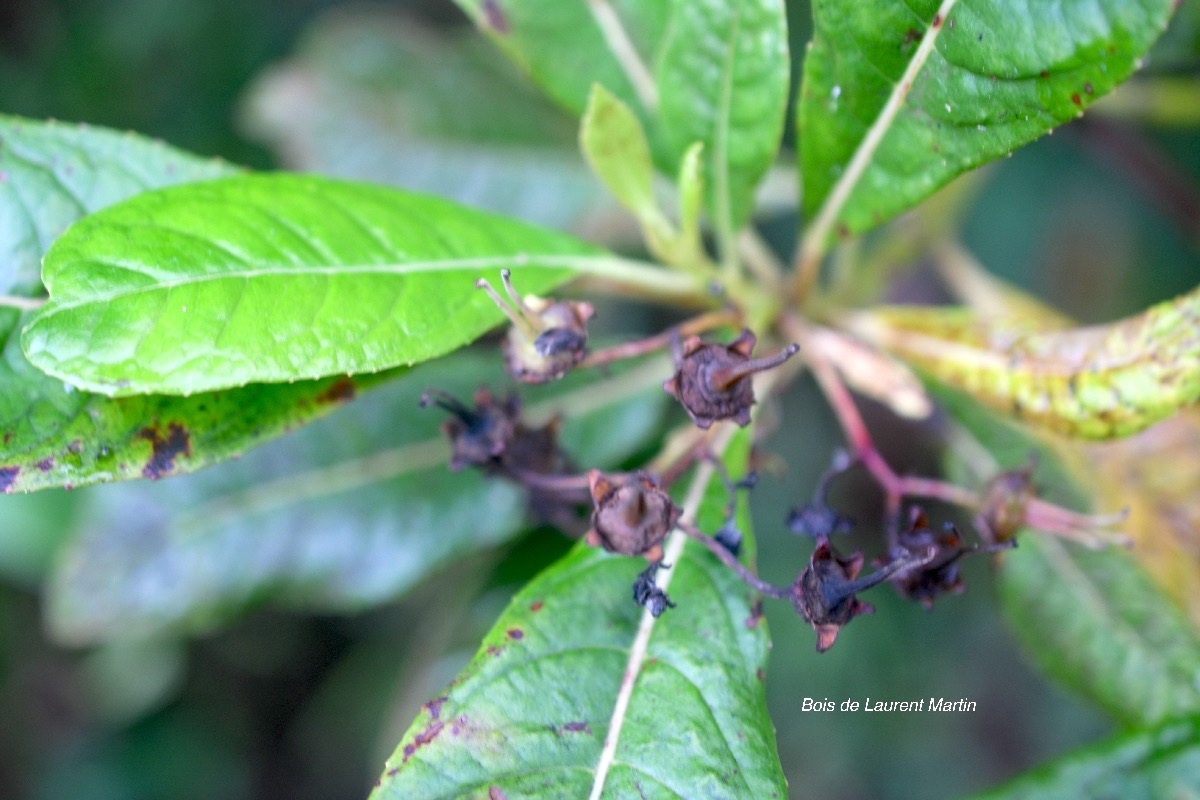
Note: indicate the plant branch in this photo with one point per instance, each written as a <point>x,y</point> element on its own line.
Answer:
<point>727,558</point>
<point>814,245</point>
<point>691,327</point>
<point>622,48</point>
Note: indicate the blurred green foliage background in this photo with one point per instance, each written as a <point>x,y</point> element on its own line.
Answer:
<point>1101,219</point>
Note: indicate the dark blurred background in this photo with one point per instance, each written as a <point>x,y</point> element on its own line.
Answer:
<point>1101,219</point>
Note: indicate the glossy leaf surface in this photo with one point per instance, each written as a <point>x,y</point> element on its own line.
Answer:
<point>52,435</point>
<point>722,77</point>
<point>1096,382</point>
<point>998,75</point>
<point>343,515</point>
<point>272,278</point>
<point>51,174</point>
<point>529,716</point>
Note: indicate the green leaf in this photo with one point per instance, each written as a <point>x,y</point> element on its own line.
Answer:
<point>1157,763</point>
<point>52,435</point>
<point>562,48</point>
<point>272,278</point>
<point>51,174</point>
<point>999,74</point>
<point>369,95</point>
<point>529,716</point>
<point>615,146</point>
<point>720,69</point>
<point>722,75</point>
<point>346,514</point>
<point>1094,382</point>
<point>1091,619</point>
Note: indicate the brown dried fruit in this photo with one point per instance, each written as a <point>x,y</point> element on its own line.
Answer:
<point>940,574</point>
<point>712,381</point>
<point>630,516</point>
<point>1005,499</point>
<point>478,436</point>
<point>824,594</point>
<point>547,338</point>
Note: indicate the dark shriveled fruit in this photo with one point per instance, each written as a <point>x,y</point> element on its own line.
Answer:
<point>631,515</point>
<point>547,338</point>
<point>712,381</point>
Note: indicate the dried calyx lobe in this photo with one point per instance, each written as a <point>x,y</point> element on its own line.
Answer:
<point>547,337</point>
<point>712,381</point>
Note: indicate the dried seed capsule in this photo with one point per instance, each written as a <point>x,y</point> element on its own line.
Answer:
<point>940,575</point>
<point>630,516</point>
<point>547,337</point>
<point>824,594</point>
<point>478,436</point>
<point>1005,499</point>
<point>712,381</point>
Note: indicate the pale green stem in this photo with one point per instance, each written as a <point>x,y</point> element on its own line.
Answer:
<point>816,238</point>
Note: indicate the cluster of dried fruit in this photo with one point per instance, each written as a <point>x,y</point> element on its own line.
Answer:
<point>632,513</point>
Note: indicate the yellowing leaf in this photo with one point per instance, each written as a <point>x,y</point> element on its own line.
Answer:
<point>1094,382</point>
<point>1156,474</point>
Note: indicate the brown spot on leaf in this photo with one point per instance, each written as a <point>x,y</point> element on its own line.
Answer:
<point>494,16</point>
<point>1044,73</point>
<point>1088,88</point>
<point>937,20</point>
<point>8,475</point>
<point>494,651</point>
<point>421,739</point>
<point>8,435</point>
<point>340,391</point>
<point>434,706</point>
<point>165,449</point>
<point>516,634</point>
<point>496,793</point>
<point>756,614</point>
<point>1075,99</point>
<point>46,464</point>
<point>536,606</point>
<point>576,727</point>
<point>910,36</point>
<point>758,673</point>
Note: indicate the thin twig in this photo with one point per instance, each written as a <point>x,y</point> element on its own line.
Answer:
<point>691,327</point>
<point>728,559</point>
